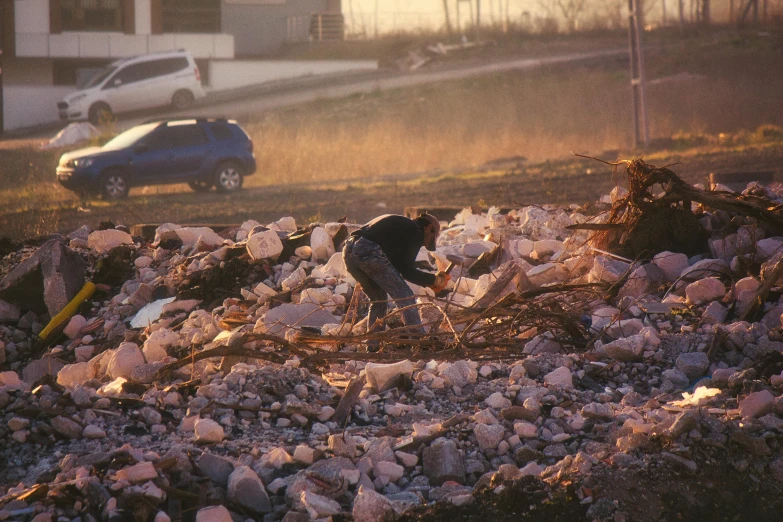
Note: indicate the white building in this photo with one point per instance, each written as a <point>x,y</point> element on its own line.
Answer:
<point>50,44</point>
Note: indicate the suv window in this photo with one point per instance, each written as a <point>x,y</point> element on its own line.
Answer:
<point>221,131</point>
<point>187,135</point>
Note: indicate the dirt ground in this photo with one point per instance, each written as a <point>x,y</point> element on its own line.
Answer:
<point>505,183</point>
<point>727,489</point>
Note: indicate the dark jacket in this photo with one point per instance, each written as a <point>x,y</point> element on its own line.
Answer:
<point>400,239</point>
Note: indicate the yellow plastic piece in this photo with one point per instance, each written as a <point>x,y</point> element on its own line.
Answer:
<point>85,293</point>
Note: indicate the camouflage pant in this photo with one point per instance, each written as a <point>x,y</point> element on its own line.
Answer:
<point>372,269</point>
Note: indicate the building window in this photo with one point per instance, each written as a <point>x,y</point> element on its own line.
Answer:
<point>191,16</point>
<point>91,15</point>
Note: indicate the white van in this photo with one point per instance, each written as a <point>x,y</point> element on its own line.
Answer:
<point>141,82</point>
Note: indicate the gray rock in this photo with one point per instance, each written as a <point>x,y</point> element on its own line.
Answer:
<point>693,364</point>
<point>597,411</point>
<point>218,469</point>
<point>683,423</point>
<point>67,428</point>
<point>489,435</point>
<point>46,281</point>
<point>442,461</point>
<point>325,477</point>
<point>675,378</point>
<point>370,506</point>
<point>245,489</point>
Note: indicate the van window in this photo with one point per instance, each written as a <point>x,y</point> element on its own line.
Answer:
<point>187,135</point>
<point>131,74</point>
<point>169,65</point>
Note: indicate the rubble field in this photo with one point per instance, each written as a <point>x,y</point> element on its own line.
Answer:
<point>621,361</point>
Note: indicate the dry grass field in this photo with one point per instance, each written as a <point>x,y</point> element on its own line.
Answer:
<point>708,99</point>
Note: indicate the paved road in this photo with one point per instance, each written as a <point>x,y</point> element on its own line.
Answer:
<point>253,101</point>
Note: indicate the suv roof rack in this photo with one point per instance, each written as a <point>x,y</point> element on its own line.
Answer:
<point>185,118</point>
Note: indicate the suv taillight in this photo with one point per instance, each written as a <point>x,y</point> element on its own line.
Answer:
<point>198,74</point>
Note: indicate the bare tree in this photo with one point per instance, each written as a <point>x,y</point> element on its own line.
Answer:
<point>571,10</point>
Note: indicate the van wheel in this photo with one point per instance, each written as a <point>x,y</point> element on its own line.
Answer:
<point>200,186</point>
<point>228,177</point>
<point>114,185</point>
<point>100,113</point>
<point>182,99</point>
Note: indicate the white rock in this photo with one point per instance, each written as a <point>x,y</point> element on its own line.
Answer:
<point>704,290</point>
<point>190,236</point>
<point>560,377</point>
<point>385,376</point>
<point>319,296</point>
<point>370,506</point>
<point>671,264</point>
<point>208,431</point>
<point>213,514</point>
<point>74,326</point>
<point>714,313</point>
<point>547,247</point>
<point>525,430</point>
<point>459,373</point>
<point>766,248</point>
<point>321,244</point>
<point>264,245</point>
<point>92,431</point>
<point>318,506</point>
<point>390,470</point>
<point>547,273</point>
<point>10,380</point>
<point>705,268</point>
<point>124,359</point>
<point>408,460</point>
<point>161,516</point>
<point>141,472</point>
<point>284,224</point>
<point>608,269</point>
<point>154,348</point>
<point>304,454</point>
<point>104,240</point>
<point>72,374</point>
<point>489,436</point>
<point>497,401</point>
<point>628,349</point>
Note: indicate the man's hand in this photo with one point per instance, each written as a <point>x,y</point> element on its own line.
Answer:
<point>441,280</point>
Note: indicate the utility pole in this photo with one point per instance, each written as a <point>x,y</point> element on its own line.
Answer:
<point>641,130</point>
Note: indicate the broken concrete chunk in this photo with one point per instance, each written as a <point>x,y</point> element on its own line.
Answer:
<point>246,490</point>
<point>46,281</point>
<point>265,245</point>
<point>102,241</point>
<point>370,506</point>
<point>442,462</point>
<point>693,364</point>
<point>141,472</point>
<point>72,374</point>
<point>321,244</point>
<point>561,377</point>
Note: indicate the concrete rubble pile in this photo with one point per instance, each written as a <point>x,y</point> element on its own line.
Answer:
<point>99,425</point>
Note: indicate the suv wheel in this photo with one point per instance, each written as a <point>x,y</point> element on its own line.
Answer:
<point>228,177</point>
<point>114,185</point>
<point>182,99</point>
<point>200,186</point>
<point>100,113</point>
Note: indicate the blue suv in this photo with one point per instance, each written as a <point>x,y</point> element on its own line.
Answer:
<point>200,152</point>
